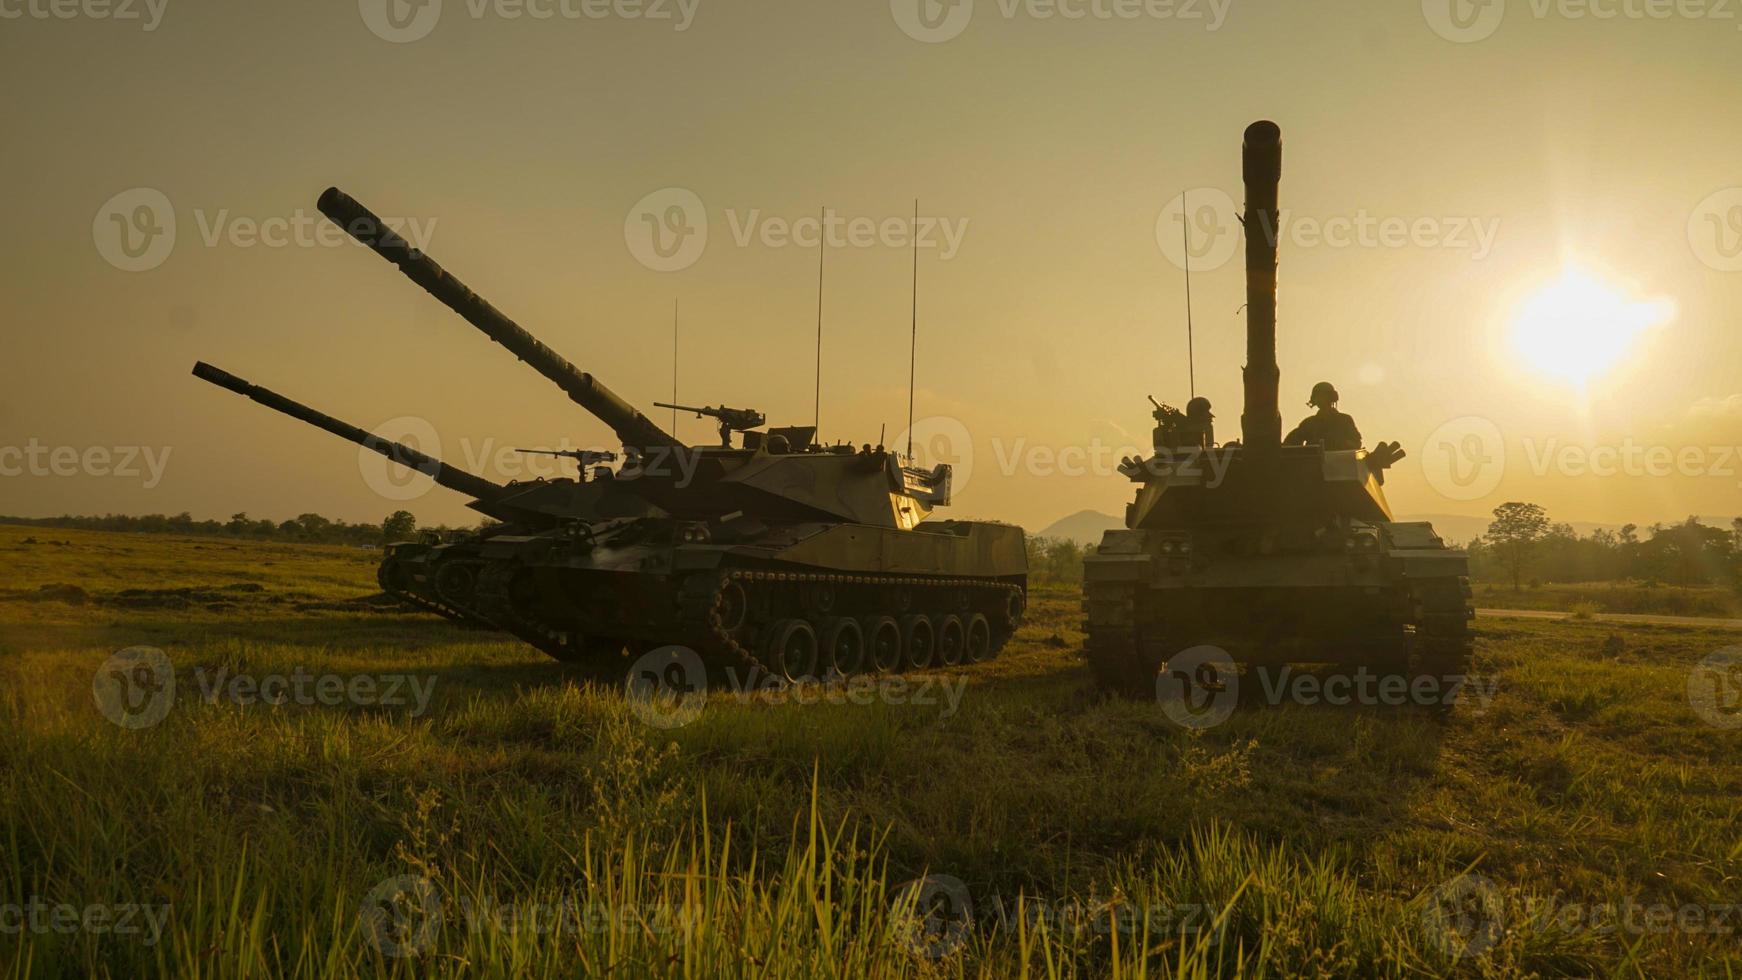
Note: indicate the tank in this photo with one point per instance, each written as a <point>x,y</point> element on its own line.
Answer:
<point>773,551</point>
<point>439,572</point>
<point>1274,553</point>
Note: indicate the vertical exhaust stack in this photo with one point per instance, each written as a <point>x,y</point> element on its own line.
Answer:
<point>1261,169</point>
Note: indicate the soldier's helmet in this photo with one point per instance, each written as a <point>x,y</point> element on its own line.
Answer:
<point>1324,393</point>
<point>1199,406</point>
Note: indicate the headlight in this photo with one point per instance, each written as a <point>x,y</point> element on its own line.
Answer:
<point>695,534</point>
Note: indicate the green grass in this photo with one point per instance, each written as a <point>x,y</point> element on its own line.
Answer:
<point>1092,836</point>
<point>1614,597</point>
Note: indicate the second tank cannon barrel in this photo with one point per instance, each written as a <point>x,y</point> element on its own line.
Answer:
<point>636,430</point>
<point>448,476</point>
<point>1261,170</point>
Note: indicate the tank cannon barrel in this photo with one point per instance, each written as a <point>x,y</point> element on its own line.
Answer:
<point>1261,171</point>
<point>636,430</point>
<point>448,476</point>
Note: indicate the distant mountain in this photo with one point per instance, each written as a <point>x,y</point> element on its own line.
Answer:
<point>1083,527</point>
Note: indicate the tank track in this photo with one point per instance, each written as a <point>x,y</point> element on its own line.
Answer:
<point>384,576</point>
<point>1125,658</point>
<point>733,617</point>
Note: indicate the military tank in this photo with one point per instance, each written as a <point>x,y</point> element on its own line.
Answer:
<point>439,573</point>
<point>1275,554</point>
<point>777,552</point>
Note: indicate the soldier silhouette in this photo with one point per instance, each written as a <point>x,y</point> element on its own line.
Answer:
<point>1326,427</point>
<point>1198,431</point>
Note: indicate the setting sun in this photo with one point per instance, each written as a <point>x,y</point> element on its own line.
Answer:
<point>1578,327</point>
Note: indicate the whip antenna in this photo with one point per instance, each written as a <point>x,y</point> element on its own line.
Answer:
<point>822,249</point>
<point>1185,234</point>
<point>913,348</point>
<point>674,364</point>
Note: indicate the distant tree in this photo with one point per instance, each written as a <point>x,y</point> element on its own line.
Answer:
<point>1514,533</point>
<point>399,526</point>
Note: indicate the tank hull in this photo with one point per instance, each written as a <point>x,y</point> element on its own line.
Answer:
<point>601,595</point>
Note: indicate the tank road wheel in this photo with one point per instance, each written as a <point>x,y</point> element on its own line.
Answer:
<point>732,606</point>
<point>883,643</point>
<point>918,642</point>
<point>952,640</point>
<point>793,650</point>
<point>979,639</point>
<point>844,646</point>
<point>457,582</point>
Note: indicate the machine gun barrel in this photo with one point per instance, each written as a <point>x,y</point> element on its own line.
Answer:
<point>737,418</point>
<point>448,476</point>
<point>1261,169</point>
<point>635,429</point>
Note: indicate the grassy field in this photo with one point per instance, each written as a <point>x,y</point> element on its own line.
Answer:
<point>1614,597</point>
<point>431,801</point>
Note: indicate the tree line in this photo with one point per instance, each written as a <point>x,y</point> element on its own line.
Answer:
<point>400,525</point>
<point>1523,546</point>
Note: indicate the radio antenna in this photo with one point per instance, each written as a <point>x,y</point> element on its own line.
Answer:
<point>1185,234</point>
<point>674,364</point>
<point>913,341</point>
<point>822,249</point>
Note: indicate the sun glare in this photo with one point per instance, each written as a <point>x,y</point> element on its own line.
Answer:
<point>1578,328</point>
